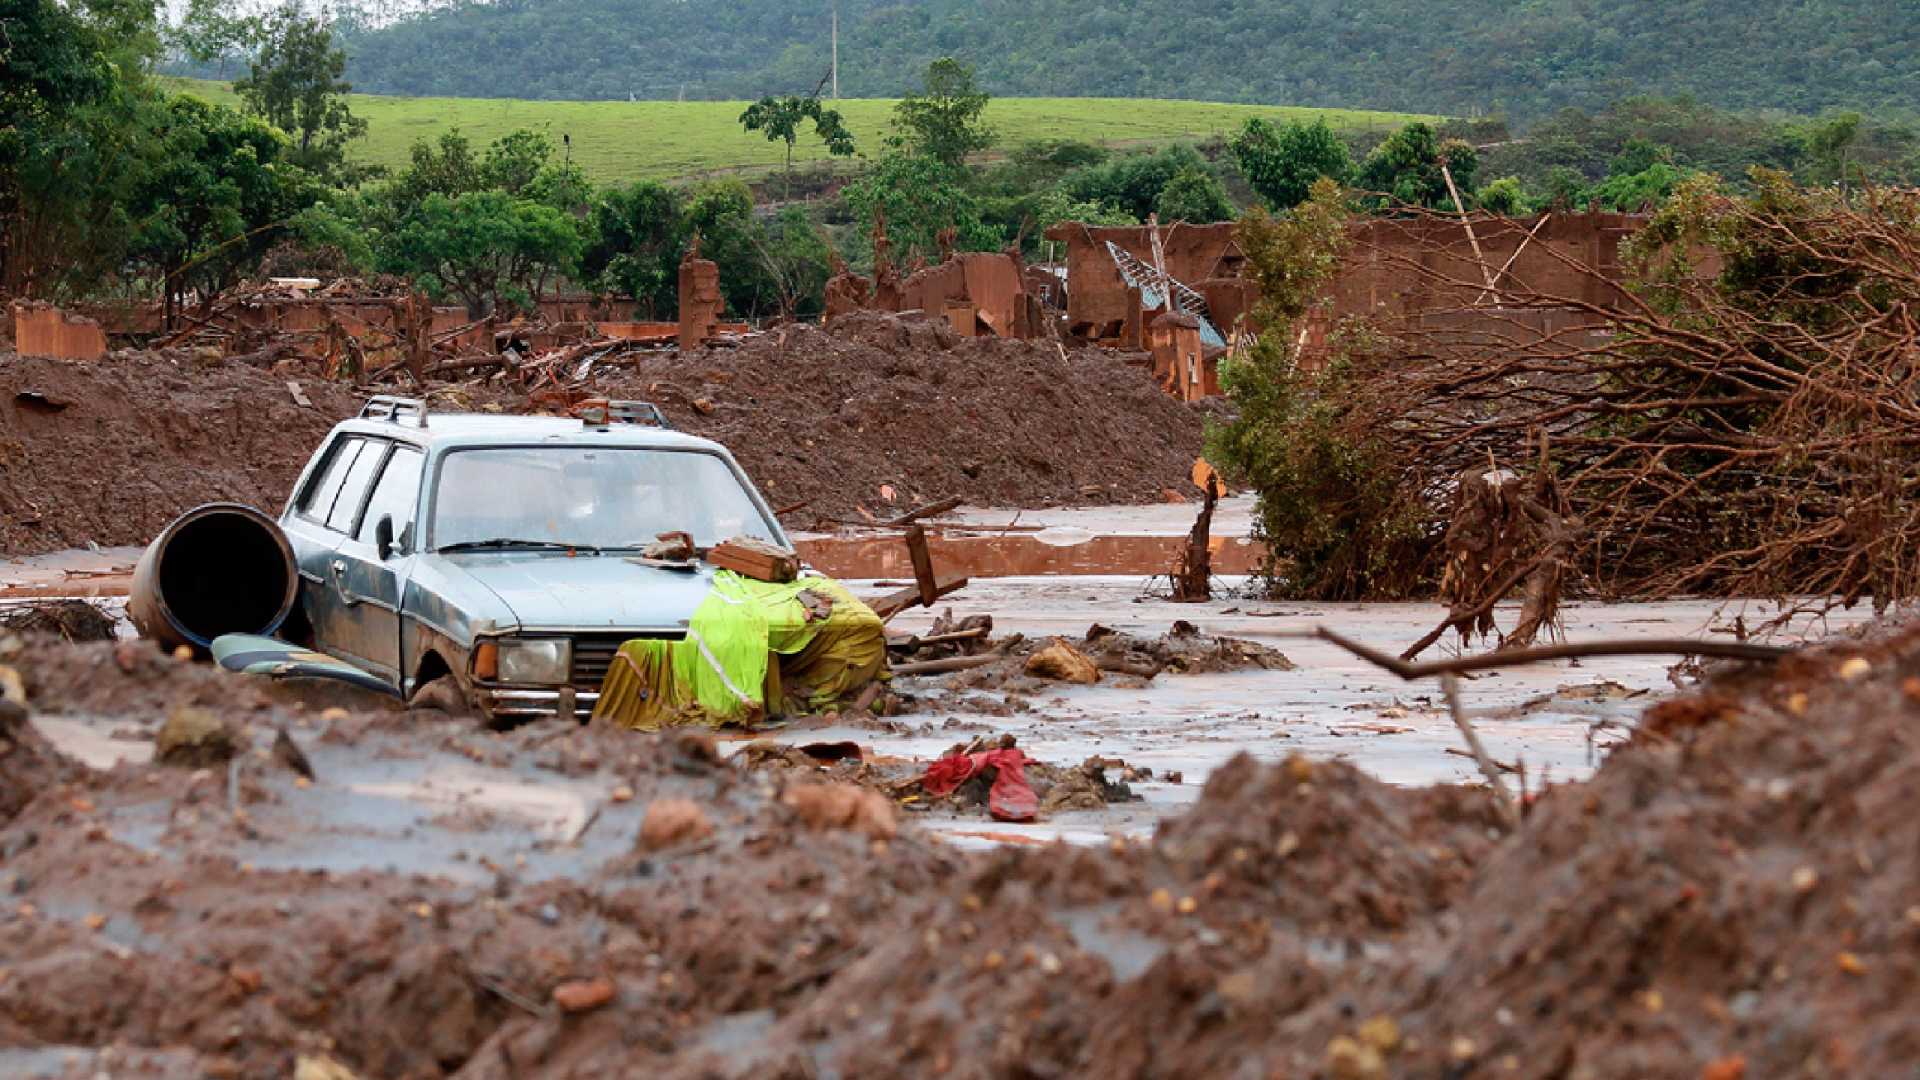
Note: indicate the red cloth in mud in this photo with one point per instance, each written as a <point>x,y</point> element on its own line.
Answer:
<point>1010,798</point>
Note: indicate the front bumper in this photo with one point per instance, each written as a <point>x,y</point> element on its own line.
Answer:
<point>518,705</point>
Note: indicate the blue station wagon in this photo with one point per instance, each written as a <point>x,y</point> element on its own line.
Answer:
<point>503,553</point>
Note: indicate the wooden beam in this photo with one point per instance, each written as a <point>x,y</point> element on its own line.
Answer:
<point>927,511</point>
<point>894,603</point>
<point>922,565</point>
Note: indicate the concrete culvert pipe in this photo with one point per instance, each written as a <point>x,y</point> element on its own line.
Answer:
<point>218,569</point>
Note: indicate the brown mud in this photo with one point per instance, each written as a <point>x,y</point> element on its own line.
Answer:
<point>1732,894</point>
<point>829,418</point>
<point>109,452</point>
<point>882,414</point>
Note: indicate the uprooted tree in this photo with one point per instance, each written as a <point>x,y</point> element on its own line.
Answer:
<point>1741,421</point>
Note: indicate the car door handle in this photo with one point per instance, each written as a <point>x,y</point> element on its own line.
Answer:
<point>339,573</point>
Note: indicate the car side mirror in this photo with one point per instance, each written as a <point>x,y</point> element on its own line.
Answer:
<point>383,537</point>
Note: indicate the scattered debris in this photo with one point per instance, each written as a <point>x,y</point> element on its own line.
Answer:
<point>70,620</point>
<point>1001,772</point>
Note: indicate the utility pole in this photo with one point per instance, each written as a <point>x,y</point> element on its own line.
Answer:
<point>836,50</point>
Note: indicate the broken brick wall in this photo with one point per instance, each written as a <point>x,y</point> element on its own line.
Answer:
<point>700,301</point>
<point>846,293</point>
<point>44,330</point>
<point>1097,294</point>
<point>1378,274</point>
<point>1389,268</point>
<point>1180,360</point>
<point>987,282</point>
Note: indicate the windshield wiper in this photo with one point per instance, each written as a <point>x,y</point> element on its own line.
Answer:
<point>503,542</point>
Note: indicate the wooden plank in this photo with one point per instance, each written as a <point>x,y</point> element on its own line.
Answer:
<point>927,511</point>
<point>922,565</point>
<point>894,603</point>
<point>953,663</point>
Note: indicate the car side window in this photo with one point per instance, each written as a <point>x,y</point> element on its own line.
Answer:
<point>353,490</point>
<point>397,493</point>
<point>320,494</point>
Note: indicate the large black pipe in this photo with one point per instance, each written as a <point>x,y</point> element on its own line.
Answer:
<point>218,569</point>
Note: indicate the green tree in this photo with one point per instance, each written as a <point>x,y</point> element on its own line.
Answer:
<point>217,194</point>
<point>325,238</point>
<point>75,116</point>
<point>1640,191</point>
<point>920,197</point>
<point>1405,168</point>
<point>1503,196</point>
<point>1326,488</point>
<point>639,231</point>
<point>781,118</point>
<point>797,260</point>
<point>721,214</point>
<point>1566,189</point>
<point>1028,215</point>
<point>1193,195</point>
<point>295,83</point>
<point>514,160</point>
<point>486,247</point>
<point>1828,141</point>
<point>446,166</point>
<point>1132,183</point>
<point>1281,163</point>
<point>217,30</point>
<point>1637,156</point>
<point>942,119</point>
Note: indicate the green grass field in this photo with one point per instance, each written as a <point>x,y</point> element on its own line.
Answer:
<point>618,140</point>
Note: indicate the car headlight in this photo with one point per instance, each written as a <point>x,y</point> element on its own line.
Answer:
<point>546,661</point>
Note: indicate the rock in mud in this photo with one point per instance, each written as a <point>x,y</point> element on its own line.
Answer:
<point>1062,661</point>
<point>842,806</point>
<point>194,738</point>
<point>582,995</point>
<point>672,822</point>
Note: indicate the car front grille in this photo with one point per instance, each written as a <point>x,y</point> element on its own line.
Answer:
<point>593,655</point>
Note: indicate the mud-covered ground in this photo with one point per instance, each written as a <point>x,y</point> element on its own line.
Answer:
<point>1735,893</point>
<point>882,414</point>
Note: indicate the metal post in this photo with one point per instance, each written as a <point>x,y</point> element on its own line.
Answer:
<point>836,50</point>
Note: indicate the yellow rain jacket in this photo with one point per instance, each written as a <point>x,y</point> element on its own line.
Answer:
<point>829,645</point>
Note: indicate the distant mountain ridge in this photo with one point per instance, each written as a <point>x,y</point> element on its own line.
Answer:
<point>1473,56</point>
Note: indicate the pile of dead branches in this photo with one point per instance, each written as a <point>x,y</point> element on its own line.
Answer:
<point>1742,420</point>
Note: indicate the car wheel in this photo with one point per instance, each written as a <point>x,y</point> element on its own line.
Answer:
<point>444,694</point>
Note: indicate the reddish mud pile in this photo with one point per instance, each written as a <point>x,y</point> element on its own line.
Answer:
<point>109,452</point>
<point>1734,896</point>
<point>829,418</point>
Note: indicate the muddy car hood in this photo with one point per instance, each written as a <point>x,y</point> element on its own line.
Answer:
<point>542,589</point>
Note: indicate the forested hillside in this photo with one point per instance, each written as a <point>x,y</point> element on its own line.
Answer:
<point>1524,59</point>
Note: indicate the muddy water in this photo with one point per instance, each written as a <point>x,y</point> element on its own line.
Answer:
<point>1556,719</point>
<point>1077,568</point>
<point>1021,555</point>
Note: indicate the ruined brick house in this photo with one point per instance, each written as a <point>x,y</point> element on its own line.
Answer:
<point>1395,268</point>
<point>1104,306</point>
<point>978,293</point>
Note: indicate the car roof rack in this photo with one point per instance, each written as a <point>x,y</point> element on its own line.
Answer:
<point>602,413</point>
<point>393,409</point>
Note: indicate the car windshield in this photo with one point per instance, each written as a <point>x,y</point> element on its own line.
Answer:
<point>589,497</point>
